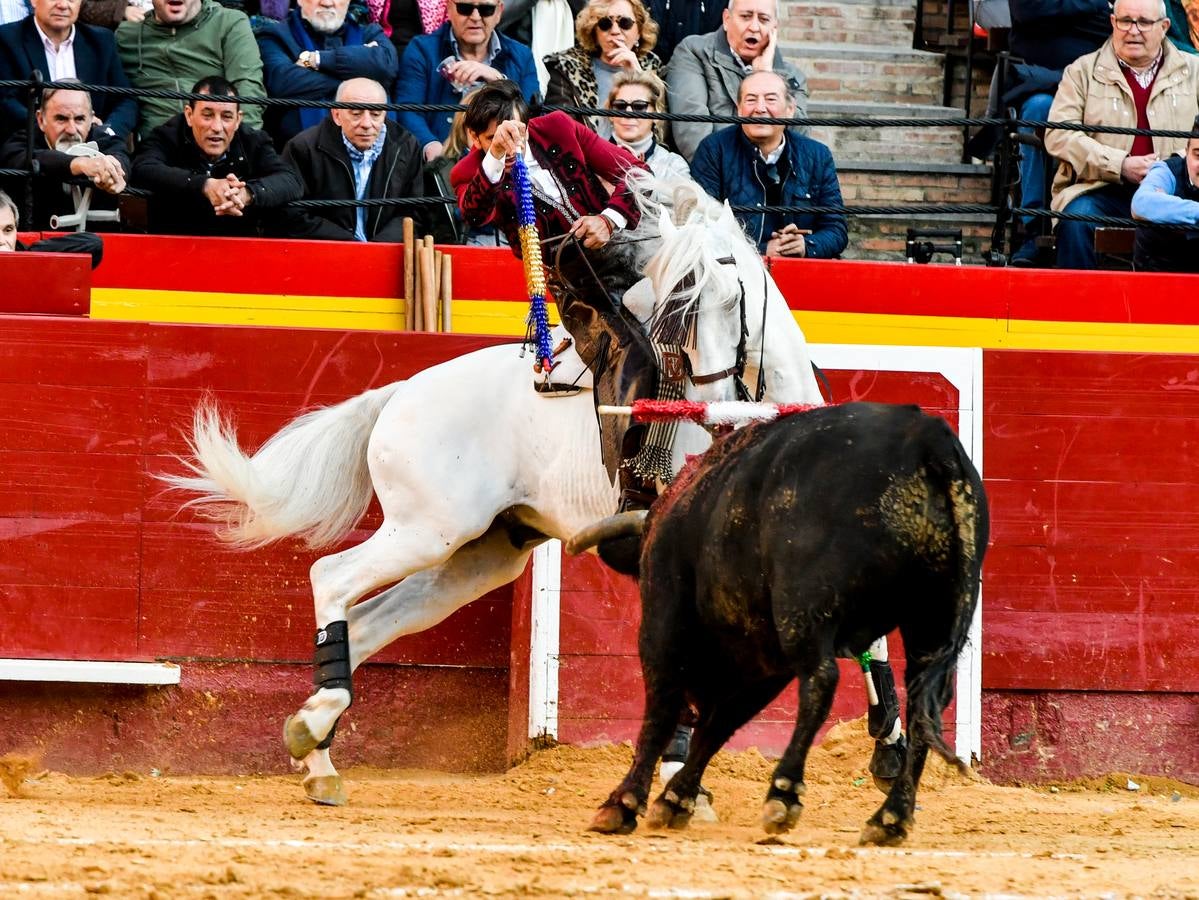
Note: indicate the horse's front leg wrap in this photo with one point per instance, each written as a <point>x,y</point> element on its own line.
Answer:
<point>332,661</point>
<point>883,716</point>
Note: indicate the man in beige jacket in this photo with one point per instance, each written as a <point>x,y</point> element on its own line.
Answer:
<point>1136,79</point>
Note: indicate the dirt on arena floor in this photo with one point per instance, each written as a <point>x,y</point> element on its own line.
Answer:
<point>424,834</point>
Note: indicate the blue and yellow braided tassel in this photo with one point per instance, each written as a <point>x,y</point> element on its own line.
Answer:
<point>530,249</point>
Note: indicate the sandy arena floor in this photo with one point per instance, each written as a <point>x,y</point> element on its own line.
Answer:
<point>423,834</point>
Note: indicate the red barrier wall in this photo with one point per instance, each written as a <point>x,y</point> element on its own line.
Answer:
<point>98,564</point>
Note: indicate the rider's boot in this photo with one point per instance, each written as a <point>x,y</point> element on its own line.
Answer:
<point>882,721</point>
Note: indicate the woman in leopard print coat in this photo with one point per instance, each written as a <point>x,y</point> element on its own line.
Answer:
<point>613,36</point>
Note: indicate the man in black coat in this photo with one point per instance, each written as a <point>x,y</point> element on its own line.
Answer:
<point>69,153</point>
<point>209,174</point>
<point>355,153</point>
<point>52,42</point>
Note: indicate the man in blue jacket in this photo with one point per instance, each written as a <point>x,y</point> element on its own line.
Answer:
<point>442,67</point>
<point>758,164</point>
<point>53,42</point>
<point>309,54</point>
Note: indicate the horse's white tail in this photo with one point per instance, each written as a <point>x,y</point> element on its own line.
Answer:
<point>310,479</point>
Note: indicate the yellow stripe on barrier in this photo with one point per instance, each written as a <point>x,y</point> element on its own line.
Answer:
<point>502,318</point>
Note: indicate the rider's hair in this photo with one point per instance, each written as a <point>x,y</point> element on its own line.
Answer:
<point>498,101</point>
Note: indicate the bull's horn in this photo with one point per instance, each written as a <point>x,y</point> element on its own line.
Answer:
<point>625,524</point>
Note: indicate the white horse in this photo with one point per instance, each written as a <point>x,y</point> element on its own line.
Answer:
<point>524,468</point>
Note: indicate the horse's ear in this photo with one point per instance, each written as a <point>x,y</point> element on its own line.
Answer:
<point>666,224</point>
<point>727,219</point>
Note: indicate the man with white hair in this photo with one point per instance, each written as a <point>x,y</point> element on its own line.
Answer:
<point>706,70</point>
<point>1136,79</point>
<point>78,242</point>
<point>69,152</point>
<point>311,52</point>
<point>355,154</point>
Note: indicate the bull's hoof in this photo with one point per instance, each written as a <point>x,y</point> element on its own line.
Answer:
<point>885,830</point>
<point>886,763</point>
<point>779,817</point>
<point>616,818</point>
<point>704,811</point>
<point>327,790</point>
<point>298,740</point>
<point>669,811</point>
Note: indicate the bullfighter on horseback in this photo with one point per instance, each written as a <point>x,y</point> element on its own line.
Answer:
<point>568,166</point>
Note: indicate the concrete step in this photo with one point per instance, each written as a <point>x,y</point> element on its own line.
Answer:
<point>891,184</point>
<point>858,72</point>
<point>923,144</point>
<point>877,22</point>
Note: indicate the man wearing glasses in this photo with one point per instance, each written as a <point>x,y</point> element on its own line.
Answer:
<point>1136,79</point>
<point>444,66</point>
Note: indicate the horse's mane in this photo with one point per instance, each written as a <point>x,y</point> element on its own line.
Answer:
<point>684,268</point>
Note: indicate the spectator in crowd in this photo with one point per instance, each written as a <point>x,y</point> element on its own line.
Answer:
<point>678,19</point>
<point>643,92</point>
<point>705,70</point>
<point>210,174</point>
<point>312,52</point>
<point>1138,79</point>
<point>1184,24</point>
<point>14,10</point>
<point>405,19</point>
<point>614,36</point>
<point>182,42</point>
<point>66,154</point>
<point>1047,35</point>
<point>52,42</point>
<point>463,53</point>
<point>757,164</point>
<point>355,154</point>
<point>545,26</point>
<point>1169,195</point>
<point>79,242</point>
<point>111,13</point>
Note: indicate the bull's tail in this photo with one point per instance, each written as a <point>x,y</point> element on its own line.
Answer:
<point>930,691</point>
<point>310,479</point>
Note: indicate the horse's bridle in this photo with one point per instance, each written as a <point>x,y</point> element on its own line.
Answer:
<point>737,370</point>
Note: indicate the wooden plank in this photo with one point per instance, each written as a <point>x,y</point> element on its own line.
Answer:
<point>88,671</point>
<point>64,485</point>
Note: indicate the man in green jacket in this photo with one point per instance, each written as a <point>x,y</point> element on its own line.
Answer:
<point>183,41</point>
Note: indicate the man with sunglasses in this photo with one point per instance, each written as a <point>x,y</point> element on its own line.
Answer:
<point>443,67</point>
<point>1136,79</point>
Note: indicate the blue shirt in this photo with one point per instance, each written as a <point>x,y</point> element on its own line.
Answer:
<point>1156,199</point>
<point>361,163</point>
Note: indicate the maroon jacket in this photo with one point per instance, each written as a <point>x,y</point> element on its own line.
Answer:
<point>578,159</point>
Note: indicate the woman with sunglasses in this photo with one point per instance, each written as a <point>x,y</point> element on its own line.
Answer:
<point>614,36</point>
<point>643,92</point>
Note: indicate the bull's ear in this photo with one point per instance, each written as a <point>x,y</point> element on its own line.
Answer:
<point>666,224</point>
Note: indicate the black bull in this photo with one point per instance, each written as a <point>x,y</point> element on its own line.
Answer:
<point>787,545</point>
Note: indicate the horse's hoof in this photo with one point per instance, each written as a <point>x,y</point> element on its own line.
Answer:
<point>779,817</point>
<point>886,763</point>
<point>327,790</point>
<point>614,820</point>
<point>298,740</point>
